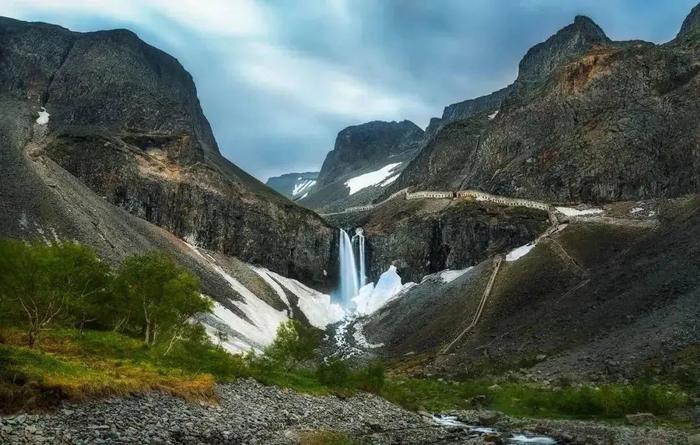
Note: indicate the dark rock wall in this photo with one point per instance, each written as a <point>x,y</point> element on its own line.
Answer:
<point>125,119</point>
<point>457,237</point>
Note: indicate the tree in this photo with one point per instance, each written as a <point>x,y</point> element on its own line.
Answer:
<point>41,283</point>
<point>294,343</point>
<point>160,296</point>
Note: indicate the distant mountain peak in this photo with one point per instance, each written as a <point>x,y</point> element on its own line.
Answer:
<point>691,22</point>
<point>568,42</point>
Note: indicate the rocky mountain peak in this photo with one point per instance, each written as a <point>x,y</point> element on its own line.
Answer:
<point>691,22</point>
<point>358,145</point>
<point>568,42</point>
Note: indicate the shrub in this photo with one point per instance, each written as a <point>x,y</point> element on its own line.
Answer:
<point>294,343</point>
<point>371,378</point>
<point>334,373</point>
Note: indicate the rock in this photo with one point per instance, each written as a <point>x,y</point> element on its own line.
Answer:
<point>540,357</point>
<point>489,418</point>
<point>694,439</point>
<point>137,135</point>
<point>495,387</point>
<point>640,418</point>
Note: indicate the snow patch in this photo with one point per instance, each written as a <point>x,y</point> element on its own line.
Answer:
<point>520,252</point>
<point>43,118</point>
<point>448,276</point>
<point>636,210</point>
<point>301,187</point>
<point>265,319</point>
<point>304,196</point>
<point>568,211</point>
<point>316,306</point>
<point>388,288</point>
<point>390,180</point>
<point>493,115</point>
<point>369,179</point>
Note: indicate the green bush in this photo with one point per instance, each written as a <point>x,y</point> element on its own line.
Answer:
<point>294,344</point>
<point>334,373</point>
<point>371,378</point>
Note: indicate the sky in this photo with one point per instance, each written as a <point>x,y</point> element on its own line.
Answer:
<point>278,79</point>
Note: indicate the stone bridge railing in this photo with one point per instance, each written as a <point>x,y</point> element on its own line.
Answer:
<point>481,196</point>
<point>433,194</point>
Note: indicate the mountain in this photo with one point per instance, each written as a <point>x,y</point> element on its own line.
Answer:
<point>587,120</point>
<point>462,110</point>
<point>369,155</point>
<point>124,118</point>
<point>293,185</point>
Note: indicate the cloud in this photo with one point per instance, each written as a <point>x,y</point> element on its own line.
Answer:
<point>278,79</point>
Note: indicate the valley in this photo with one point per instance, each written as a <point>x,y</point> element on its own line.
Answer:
<point>526,269</point>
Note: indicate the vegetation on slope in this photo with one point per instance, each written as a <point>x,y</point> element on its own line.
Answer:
<point>128,330</point>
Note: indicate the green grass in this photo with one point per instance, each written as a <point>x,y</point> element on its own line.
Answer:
<point>75,366</point>
<point>520,399</point>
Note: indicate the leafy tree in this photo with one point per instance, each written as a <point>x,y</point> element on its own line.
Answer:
<point>295,343</point>
<point>334,373</point>
<point>159,296</point>
<point>41,284</point>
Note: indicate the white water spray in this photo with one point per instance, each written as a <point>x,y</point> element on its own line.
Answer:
<point>349,286</point>
<point>359,235</point>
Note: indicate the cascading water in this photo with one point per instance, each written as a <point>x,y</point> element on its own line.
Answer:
<point>349,286</point>
<point>359,234</point>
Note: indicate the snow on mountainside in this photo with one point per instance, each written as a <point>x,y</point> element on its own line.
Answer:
<point>293,185</point>
<point>373,178</point>
<point>252,322</point>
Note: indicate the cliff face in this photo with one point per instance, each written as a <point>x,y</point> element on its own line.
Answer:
<point>364,145</point>
<point>421,237</point>
<point>587,120</point>
<point>125,120</point>
<point>359,150</point>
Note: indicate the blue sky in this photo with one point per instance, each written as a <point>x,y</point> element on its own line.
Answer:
<point>279,78</point>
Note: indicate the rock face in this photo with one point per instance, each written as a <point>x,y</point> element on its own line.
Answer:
<point>691,24</point>
<point>360,146</point>
<point>587,120</point>
<point>359,150</point>
<point>465,109</point>
<point>293,185</point>
<point>125,120</point>
<point>423,237</point>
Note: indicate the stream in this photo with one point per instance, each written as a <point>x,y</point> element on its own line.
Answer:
<point>509,438</point>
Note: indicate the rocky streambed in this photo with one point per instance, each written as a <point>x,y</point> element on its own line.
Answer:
<point>251,413</point>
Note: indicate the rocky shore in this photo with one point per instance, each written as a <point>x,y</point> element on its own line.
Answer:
<point>251,413</point>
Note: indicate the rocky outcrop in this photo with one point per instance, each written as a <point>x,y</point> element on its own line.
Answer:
<point>691,24</point>
<point>359,150</point>
<point>424,236</point>
<point>125,120</point>
<point>588,120</point>
<point>465,109</point>
<point>362,146</point>
<point>293,185</point>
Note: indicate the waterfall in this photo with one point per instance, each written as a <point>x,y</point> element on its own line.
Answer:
<point>361,253</point>
<point>349,287</point>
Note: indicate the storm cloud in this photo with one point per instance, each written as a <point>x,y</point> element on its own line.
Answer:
<point>278,79</point>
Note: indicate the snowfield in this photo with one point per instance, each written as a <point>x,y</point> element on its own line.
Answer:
<point>373,297</point>
<point>568,211</point>
<point>519,252</point>
<point>372,178</point>
<point>251,323</point>
<point>303,186</point>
